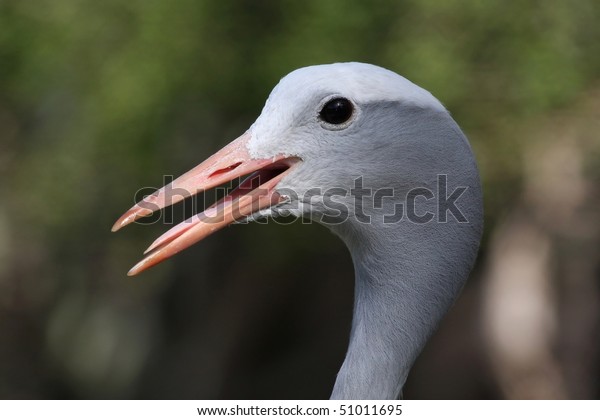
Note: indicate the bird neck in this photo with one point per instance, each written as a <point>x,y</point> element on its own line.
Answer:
<point>376,363</point>
<point>402,291</point>
<point>381,348</point>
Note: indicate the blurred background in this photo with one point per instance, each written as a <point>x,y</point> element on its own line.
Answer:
<point>99,99</point>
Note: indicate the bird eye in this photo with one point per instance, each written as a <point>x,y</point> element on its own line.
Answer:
<point>337,111</point>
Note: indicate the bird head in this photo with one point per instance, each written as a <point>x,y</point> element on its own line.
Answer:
<point>322,129</point>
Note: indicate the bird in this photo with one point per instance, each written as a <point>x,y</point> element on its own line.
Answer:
<point>380,162</point>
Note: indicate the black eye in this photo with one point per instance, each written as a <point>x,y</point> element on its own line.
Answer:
<point>337,111</point>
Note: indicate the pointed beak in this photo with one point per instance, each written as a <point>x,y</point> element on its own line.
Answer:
<point>255,193</point>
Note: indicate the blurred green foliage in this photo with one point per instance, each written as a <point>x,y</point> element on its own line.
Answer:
<point>98,99</point>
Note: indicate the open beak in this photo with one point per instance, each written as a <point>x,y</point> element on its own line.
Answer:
<point>255,193</point>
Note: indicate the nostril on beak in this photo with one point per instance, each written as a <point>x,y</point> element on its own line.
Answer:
<point>225,170</point>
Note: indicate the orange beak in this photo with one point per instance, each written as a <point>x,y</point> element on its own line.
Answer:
<point>255,193</point>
